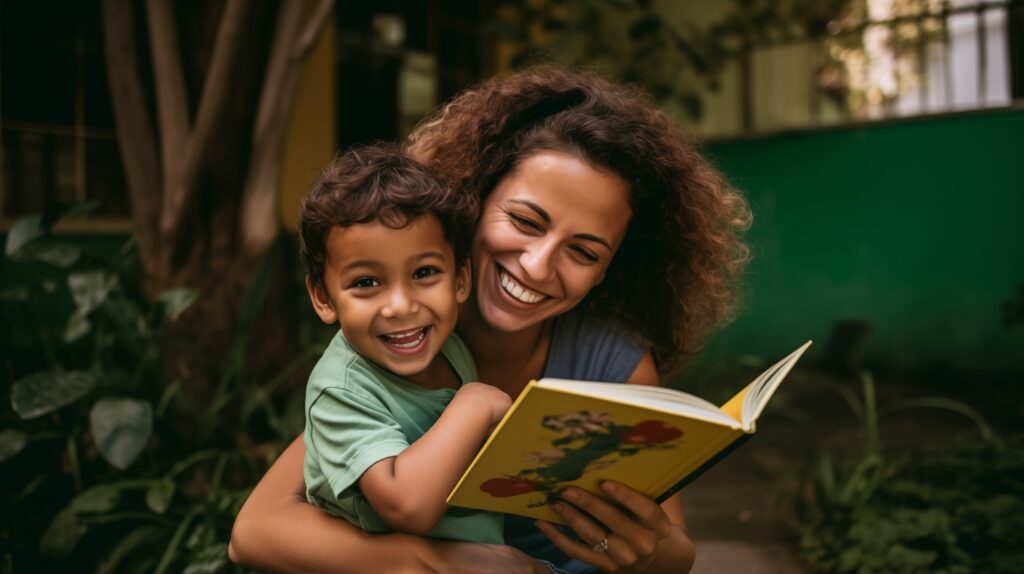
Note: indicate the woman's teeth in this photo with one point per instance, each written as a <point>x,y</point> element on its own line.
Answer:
<point>406,339</point>
<point>517,291</point>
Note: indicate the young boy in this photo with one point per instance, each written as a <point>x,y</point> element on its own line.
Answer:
<point>392,417</point>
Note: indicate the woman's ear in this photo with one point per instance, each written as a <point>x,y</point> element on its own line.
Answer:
<point>321,303</point>
<point>463,282</point>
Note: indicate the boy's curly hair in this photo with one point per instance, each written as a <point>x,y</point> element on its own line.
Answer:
<point>379,183</point>
<point>676,274</point>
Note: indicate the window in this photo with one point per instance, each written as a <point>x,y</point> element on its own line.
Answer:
<point>58,141</point>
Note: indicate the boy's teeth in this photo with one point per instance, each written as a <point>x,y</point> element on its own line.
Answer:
<point>517,291</point>
<point>406,339</point>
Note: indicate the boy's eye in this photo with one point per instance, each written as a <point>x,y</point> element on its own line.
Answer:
<point>365,283</point>
<point>425,271</point>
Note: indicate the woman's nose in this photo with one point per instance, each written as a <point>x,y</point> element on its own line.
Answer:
<point>538,260</point>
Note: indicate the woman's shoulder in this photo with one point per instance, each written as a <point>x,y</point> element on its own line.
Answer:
<point>592,348</point>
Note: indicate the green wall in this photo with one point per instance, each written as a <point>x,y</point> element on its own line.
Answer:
<point>914,226</point>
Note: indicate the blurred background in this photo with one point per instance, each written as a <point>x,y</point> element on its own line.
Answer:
<point>156,333</point>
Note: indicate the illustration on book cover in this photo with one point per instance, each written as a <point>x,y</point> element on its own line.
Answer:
<point>588,441</point>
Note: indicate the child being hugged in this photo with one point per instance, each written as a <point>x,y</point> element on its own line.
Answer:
<point>392,415</point>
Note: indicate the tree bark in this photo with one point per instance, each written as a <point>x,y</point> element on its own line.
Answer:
<point>290,50</point>
<point>135,131</point>
<point>204,203</point>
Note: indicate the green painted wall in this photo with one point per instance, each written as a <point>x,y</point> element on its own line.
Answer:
<point>914,226</point>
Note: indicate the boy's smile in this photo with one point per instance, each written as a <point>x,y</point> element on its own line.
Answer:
<point>395,294</point>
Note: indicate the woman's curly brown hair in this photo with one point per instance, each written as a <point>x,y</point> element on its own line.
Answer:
<point>675,276</point>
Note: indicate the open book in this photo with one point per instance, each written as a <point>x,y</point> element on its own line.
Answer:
<point>560,433</point>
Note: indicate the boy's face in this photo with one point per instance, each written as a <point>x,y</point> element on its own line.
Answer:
<point>395,292</point>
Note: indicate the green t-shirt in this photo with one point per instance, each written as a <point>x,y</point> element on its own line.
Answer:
<point>358,414</point>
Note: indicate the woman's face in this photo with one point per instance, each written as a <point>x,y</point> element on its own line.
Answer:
<point>546,236</point>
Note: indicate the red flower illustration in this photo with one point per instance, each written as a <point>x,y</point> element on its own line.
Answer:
<point>508,486</point>
<point>650,432</point>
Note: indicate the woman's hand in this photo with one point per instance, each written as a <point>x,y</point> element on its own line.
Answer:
<point>636,536</point>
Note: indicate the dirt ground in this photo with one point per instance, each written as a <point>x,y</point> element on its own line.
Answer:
<point>737,512</point>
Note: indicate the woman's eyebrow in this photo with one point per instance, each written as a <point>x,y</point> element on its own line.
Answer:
<point>593,238</point>
<point>547,218</point>
<point>540,210</point>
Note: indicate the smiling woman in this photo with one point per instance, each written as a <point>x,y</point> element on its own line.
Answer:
<point>606,249</point>
<point>546,235</point>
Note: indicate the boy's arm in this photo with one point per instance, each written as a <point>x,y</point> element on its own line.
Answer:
<point>408,491</point>
<point>278,531</point>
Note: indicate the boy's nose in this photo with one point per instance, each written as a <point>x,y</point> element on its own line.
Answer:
<point>399,304</point>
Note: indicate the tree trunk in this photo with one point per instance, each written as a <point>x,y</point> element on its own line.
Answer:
<point>204,190</point>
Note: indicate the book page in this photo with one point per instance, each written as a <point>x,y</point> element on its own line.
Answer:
<point>764,386</point>
<point>659,398</point>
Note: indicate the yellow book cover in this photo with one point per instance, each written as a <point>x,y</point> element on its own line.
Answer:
<point>561,433</point>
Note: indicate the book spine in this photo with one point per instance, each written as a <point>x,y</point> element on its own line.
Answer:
<point>742,438</point>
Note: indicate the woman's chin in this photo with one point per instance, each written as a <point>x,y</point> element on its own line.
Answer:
<point>511,321</point>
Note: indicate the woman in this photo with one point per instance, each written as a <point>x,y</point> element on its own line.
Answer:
<point>606,249</point>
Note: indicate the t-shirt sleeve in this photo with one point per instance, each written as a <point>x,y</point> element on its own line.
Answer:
<point>351,432</point>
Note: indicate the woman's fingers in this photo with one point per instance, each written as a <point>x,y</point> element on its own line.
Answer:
<point>610,537</point>
<point>578,550</point>
<point>647,511</point>
<point>641,534</point>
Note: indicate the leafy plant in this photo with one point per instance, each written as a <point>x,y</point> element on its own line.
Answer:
<point>106,465</point>
<point>952,507</point>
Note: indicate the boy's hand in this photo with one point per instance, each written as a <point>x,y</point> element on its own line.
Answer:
<point>487,397</point>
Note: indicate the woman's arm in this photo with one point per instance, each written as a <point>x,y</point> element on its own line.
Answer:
<point>641,535</point>
<point>278,531</point>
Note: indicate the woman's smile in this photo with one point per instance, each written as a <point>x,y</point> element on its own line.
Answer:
<point>517,290</point>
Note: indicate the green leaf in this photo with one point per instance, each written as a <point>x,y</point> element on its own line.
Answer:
<point>24,231</point>
<point>90,289</point>
<point>11,443</point>
<point>159,495</point>
<point>209,560</point>
<point>14,294</point>
<point>78,326</point>
<point>121,429</point>
<point>59,254</point>
<point>126,546</point>
<point>177,300</point>
<point>63,534</point>
<point>40,393</point>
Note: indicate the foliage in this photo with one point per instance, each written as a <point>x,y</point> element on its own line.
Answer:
<point>642,42</point>
<point>107,466</point>
<point>957,506</point>
<point>681,61</point>
<point>1013,308</point>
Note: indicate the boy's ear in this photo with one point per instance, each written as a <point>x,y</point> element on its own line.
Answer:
<point>463,282</point>
<point>321,303</point>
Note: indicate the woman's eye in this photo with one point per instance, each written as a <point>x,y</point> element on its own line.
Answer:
<point>585,255</point>
<point>424,272</point>
<point>365,283</point>
<point>524,222</point>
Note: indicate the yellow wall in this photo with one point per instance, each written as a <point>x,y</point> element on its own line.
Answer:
<point>310,142</point>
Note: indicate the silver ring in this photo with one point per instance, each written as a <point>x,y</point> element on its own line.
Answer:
<point>601,546</point>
